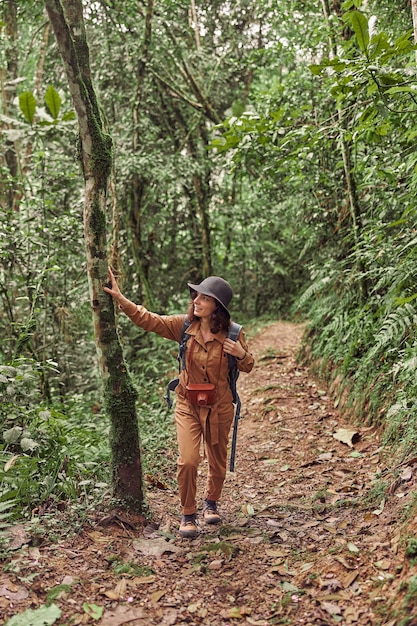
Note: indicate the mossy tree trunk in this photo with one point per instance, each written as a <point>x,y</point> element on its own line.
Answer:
<point>8,191</point>
<point>66,17</point>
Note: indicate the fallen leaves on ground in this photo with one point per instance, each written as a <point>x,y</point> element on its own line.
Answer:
<point>301,540</point>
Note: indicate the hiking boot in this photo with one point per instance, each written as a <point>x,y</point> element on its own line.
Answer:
<point>188,527</point>
<point>210,513</point>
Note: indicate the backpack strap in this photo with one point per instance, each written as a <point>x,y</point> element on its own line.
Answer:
<point>172,385</point>
<point>234,331</point>
<point>233,334</point>
<point>181,358</point>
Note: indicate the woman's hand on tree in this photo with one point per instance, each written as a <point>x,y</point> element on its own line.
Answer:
<point>113,287</point>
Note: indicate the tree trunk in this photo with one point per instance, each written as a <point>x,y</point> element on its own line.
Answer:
<point>196,143</point>
<point>8,192</point>
<point>67,20</point>
<point>414,14</point>
<point>138,183</point>
<point>200,190</point>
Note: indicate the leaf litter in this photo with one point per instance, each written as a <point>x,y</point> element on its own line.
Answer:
<point>300,542</point>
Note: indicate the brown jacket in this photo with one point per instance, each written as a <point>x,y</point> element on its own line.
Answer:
<point>208,364</point>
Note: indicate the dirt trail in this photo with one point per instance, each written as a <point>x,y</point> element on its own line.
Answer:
<point>298,545</point>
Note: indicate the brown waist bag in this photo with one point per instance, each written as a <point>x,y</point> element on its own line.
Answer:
<point>203,394</point>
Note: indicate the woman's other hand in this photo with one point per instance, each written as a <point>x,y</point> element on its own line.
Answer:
<point>234,348</point>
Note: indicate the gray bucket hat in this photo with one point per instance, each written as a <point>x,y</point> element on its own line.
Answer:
<point>217,288</point>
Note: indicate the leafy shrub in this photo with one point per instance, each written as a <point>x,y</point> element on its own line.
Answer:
<point>49,453</point>
<point>52,454</point>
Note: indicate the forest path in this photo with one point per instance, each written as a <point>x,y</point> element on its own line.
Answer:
<point>299,544</point>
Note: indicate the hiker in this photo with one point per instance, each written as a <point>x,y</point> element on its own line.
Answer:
<point>202,412</point>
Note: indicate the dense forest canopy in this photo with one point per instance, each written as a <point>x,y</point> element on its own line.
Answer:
<point>272,143</point>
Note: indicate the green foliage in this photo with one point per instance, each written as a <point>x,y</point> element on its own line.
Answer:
<point>360,301</point>
<point>411,549</point>
<point>93,610</point>
<point>49,453</point>
<point>376,494</point>
<point>6,508</point>
<point>156,424</point>
<point>158,443</point>
<point>53,101</point>
<point>27,103</point>
<point>227,146</point>
<point>43,616</point>
<point>359,24</point>
<point>29,107</point>
<point>131,569</point>
<point>56,591</point>
<point>410,600</point>
<point>52,455</point>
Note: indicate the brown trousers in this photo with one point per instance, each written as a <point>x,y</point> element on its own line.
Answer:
<point>193,424</point>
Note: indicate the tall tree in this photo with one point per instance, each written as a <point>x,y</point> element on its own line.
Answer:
<point>67,21</point>
<point>414,14</point>
<point>8,90</point>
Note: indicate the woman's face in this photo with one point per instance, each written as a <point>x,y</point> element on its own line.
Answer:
<point>203,305</point>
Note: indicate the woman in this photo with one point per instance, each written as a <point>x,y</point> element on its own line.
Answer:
<point>206,362</point>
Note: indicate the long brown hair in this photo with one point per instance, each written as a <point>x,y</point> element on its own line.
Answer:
<point>219,319</point>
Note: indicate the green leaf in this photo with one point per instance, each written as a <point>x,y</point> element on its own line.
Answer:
<point>401,301</point>
<point>27,104</point>
<point>55,592</point>
<point>316,69</point>
<point>404,89</point>
<point>69,116</point>
<point>12,435</point>
<point>93,610</point>
<point>238,108</point>
<point>359,23</point>
<point>6,513</point>
<point>288,587</point>
<point>44,616</point>
<point>53,101</point>
<point>348,4</point>
<point>405,43</point>
<point>28,445</point>
<point>379,44</point>
<point>336,64</point>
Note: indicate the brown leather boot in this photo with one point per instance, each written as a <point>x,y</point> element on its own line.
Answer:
<point>188,527</point>
<point>210,513</point>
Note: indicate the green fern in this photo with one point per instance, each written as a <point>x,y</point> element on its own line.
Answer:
<point>6,511</point>
<point>315,289</point>
<point>393,329</point>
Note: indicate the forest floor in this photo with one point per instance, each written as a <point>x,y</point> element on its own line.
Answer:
<point>302,541</point>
